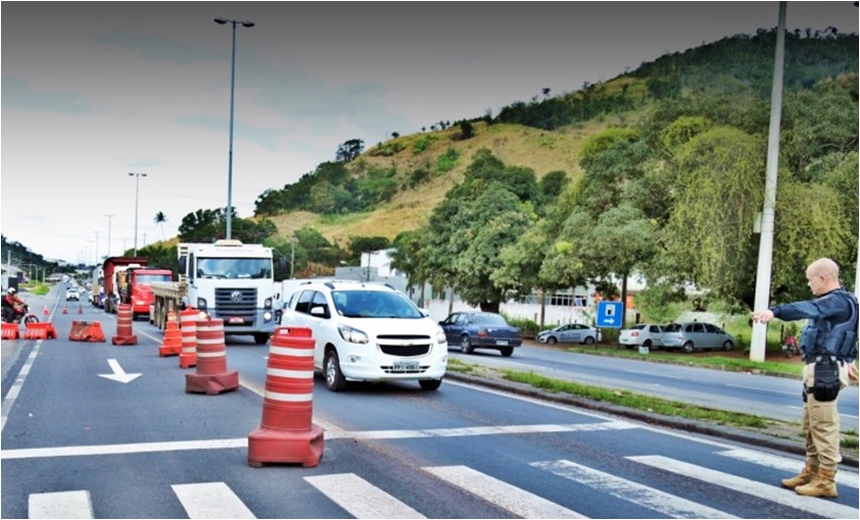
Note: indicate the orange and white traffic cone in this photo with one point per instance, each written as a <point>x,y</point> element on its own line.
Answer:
<point>45,310</point>
<point>286,434</point>
<point>172,345</point>
<point>124,334</point>
<point>188,331</point>
<point>65,309</point>
<point>80,309</point>
<point>212,376</point>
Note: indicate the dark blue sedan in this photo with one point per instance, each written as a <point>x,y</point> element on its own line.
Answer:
<point>471,330</point>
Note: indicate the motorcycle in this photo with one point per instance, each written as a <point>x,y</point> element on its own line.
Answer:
<point>22,316</point>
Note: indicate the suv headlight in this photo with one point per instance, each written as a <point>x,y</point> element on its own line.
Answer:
<point>352,335</point>
<point>441,339</point>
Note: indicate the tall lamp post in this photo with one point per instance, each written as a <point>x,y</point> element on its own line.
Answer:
<point>108,248</point>
<point>137,177</point>
<point>234,23</point>
<point>758,341</point>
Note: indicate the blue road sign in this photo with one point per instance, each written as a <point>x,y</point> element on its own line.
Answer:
<point>609,314</point>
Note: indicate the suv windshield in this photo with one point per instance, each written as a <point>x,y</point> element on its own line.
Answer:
<point>374,304</point>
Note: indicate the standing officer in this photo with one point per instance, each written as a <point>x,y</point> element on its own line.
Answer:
<point>830,334</point>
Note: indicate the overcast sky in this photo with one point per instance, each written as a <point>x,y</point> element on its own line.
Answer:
<point>93,91</point>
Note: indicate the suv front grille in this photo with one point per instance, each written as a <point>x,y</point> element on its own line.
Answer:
<point>404,345</point>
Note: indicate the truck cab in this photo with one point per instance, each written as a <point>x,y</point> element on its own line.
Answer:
<point>233,282</point>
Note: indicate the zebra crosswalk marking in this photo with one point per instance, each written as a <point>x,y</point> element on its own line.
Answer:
<point>843,478</point>
<point>64,504</point>
<point>210,500</point>
<point>766,491</point>
<point>510,498</point>
<point>360,498</point>
<point>670,505</point>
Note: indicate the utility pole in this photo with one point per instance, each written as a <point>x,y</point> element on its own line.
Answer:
<point>765,250</point>
<point>109,219</point>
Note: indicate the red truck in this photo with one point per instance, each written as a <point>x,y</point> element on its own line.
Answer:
<point>127,280</point>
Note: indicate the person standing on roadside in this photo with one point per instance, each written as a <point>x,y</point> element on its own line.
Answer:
<point>830,335</point>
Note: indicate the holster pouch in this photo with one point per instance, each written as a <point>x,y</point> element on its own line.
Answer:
<point>826,378</point>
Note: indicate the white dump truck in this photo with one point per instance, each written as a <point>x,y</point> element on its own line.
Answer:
<point>227,280</point>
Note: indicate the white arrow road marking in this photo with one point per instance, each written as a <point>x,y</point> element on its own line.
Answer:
<point>118,373</point>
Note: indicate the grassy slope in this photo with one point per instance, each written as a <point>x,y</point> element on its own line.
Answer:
<point>543,151</point>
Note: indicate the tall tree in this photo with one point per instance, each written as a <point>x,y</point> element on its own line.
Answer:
<point>719,192</point>
<point>160,219</point>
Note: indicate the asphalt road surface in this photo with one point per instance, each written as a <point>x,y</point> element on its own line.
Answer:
<point>102,431</point>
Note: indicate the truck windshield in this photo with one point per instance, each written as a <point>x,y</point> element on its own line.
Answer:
<point>255,268</point>
<point>149,278</point>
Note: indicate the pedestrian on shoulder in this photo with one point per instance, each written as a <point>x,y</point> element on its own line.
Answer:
<point>828,344</point>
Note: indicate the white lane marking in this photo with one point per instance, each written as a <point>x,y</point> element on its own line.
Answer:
<point>664,376</point>
<point>784,463</point>
<point>12,395</point>
<point>773,493</point>
<point>119,449</point>
<point>491,430</point>
<point>65,504</point>
<point>360,498</point>
<point>769,390</point>
<point>670,505</point>
<point>510,498</point>
<point>211,500</point>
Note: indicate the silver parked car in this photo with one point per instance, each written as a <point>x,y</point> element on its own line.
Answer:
<point>570,333</point>
<point>696,336</point>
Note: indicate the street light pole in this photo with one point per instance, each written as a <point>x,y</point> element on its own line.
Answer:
<point>246,23</point>
<point>765,251</point>
<point>137,177</point>
<point>108,248</point>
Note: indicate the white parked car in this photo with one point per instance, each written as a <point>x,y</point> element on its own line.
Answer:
<point>368,332</point>
<point>571,333</point>
<point>642,335</point>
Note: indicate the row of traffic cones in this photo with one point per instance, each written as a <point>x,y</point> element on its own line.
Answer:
<point>65,309</point>
<point>286,433</point>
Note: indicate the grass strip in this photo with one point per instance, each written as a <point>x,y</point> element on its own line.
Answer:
<point>715,362</point>
<point>636,401</point>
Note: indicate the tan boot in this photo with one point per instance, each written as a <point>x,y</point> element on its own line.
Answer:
<point>806,474</point>
<point>823,485</point>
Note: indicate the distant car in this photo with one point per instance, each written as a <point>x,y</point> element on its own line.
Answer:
<point>570,333</point>
<point>696,336</point>
<point>642,335</point>
<point>471,330</point>
<point>72,294</point>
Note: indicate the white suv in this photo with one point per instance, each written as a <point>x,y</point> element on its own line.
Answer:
<point>368,332</point>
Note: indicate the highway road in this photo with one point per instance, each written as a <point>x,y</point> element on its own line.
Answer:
<point>76,443</point>
<point>766,396</point>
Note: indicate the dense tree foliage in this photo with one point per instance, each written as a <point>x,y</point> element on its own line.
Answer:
<point>208,225</point>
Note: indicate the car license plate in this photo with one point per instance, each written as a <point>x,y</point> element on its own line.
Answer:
<point>501,342</point>
<point>403,366</point>
<point>236,320</point>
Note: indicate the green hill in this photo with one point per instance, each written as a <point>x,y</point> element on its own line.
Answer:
<point>400,181</point>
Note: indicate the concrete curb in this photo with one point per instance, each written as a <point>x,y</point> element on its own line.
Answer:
<point>725,432</point>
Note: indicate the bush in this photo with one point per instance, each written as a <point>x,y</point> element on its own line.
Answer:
<point>527,326</point>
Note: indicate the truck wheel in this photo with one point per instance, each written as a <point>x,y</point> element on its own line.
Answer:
<point>334,379</point>
<point>260,338</point>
